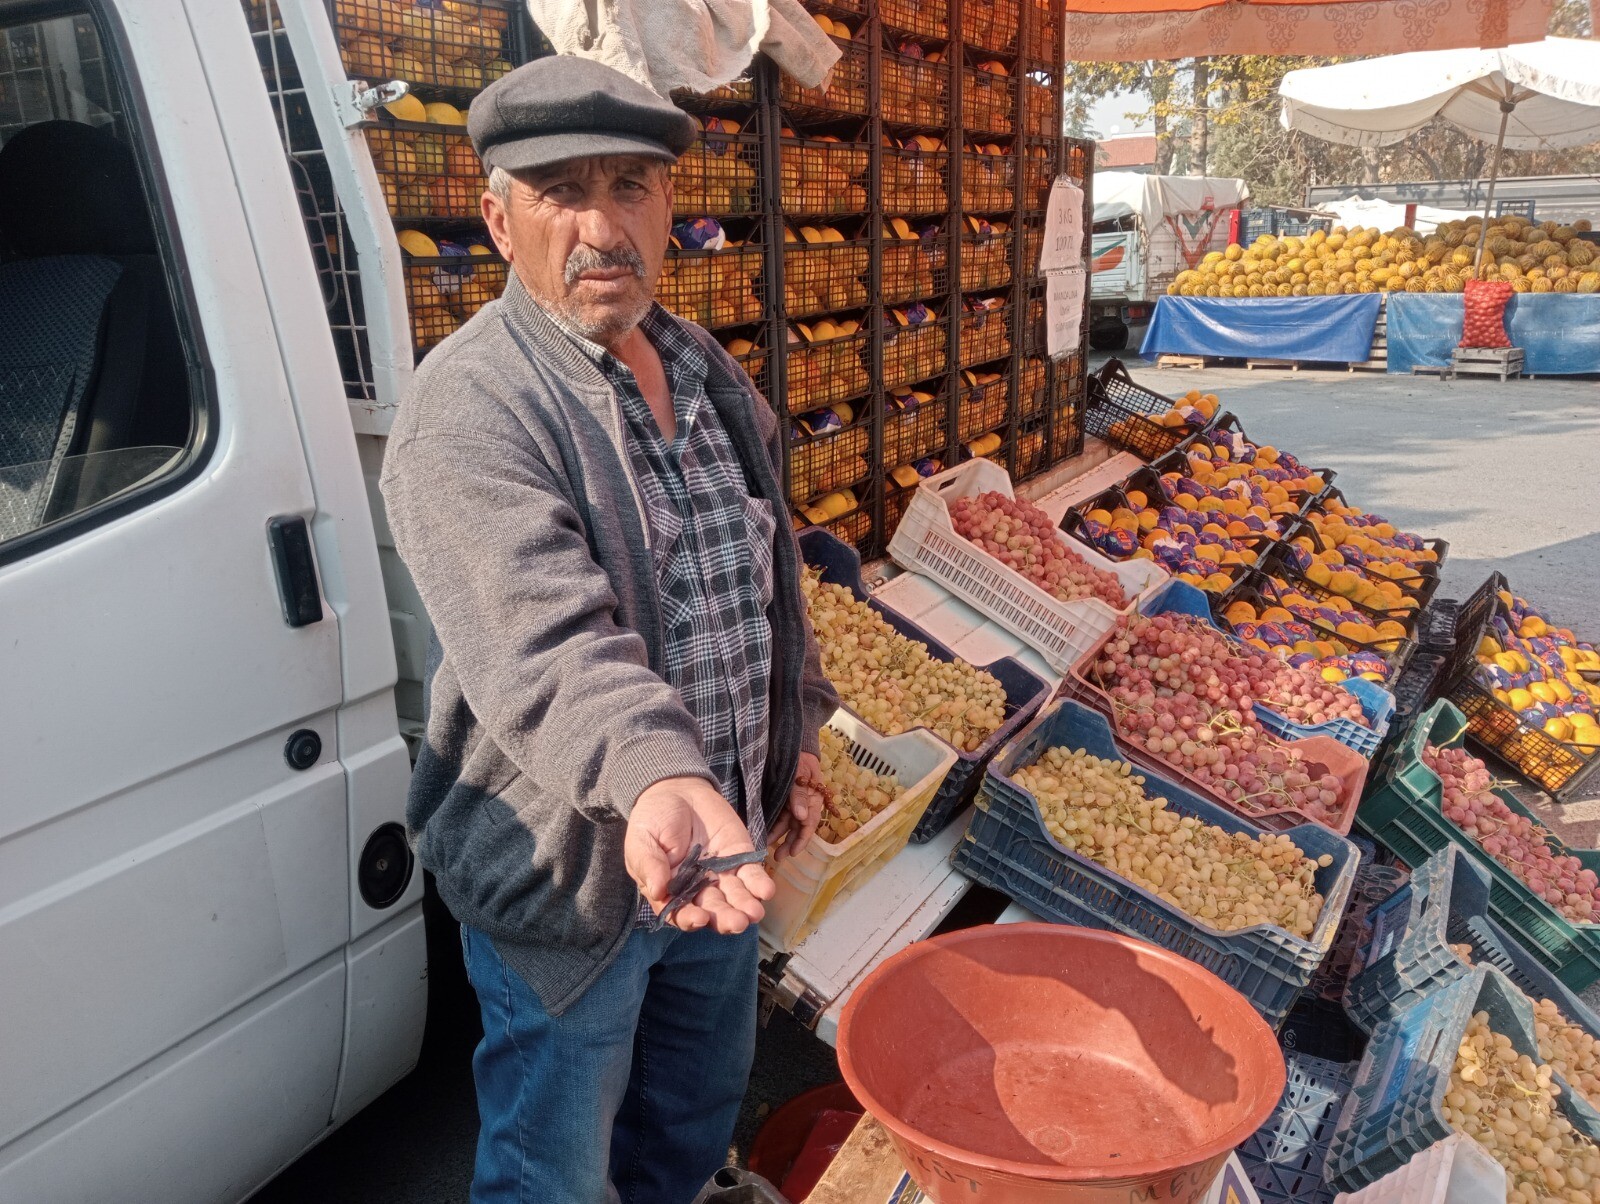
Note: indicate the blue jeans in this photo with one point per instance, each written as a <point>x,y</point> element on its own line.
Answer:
<point>632,1092</point>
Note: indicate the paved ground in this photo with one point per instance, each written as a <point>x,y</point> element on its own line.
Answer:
<point>1510,474</point>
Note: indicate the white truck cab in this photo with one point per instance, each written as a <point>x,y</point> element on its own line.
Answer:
<point>211,938</point>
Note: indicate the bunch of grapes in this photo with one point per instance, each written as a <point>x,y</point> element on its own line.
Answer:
<point>1523,845</point>
<point>1572,1052</point>
<point>1022,537</point>
<point>1506,1102</point>
<point>1178,653</point>
<point>854,793</point>
<point>895,683</point>
<point>1228,880</point>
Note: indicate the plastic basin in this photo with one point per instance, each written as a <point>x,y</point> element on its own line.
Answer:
<point>1034,1063</point>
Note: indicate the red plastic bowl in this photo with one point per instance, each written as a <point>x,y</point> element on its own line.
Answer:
<point>1035,1063</point>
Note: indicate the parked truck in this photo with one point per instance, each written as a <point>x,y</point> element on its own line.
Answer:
<point>1147,229</point>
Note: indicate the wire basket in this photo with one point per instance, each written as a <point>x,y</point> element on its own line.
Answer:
<point>845,94</point>
<point>1033,452</point>
<point>985,335</point>
<point>854,527</point>
<point>829,462</point>
<point>719,176</point>
<point>823,277</point>
<point>822,177</point>
<point>426,170</point>
<point>987,182</point>
<point>1041,107</point>
<point>913,353</point>
<point>915,180</point>
<point>1038,174</point>
<point>914,91</point>
<point>917,267</point>
<point>983,403</point>
<point>1078,160</point>
<point>739,91</point>
<point>926,18</point>
<point>465,46</point>
<point>820,372</point>
<point>444,291</point>
<point>988,102</point>
<point>1042,29</point>
<point>985,257</point>
<point>1066,413</point>
<point>755,358</point>
<point>910,434</point>
<point>1033,387</point>
<point>715,288</point>
<point>990,24</point>
<point>1558,766</point>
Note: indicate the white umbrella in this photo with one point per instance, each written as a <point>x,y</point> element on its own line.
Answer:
<point>1534,96</point>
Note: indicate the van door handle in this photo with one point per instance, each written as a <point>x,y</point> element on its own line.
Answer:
<point>290,544</point>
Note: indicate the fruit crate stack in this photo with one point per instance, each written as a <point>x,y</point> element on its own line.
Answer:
<point>430,176</point>
<point>826,224</point>
<point>917,57</point>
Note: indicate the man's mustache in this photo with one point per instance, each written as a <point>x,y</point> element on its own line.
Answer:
<point>585,258</point>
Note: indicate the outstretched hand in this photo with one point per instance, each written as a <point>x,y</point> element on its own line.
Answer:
<point>669,819</point>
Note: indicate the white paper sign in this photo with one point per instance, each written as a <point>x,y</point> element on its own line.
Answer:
<point>1063,310</point>
<point>1063,227</point>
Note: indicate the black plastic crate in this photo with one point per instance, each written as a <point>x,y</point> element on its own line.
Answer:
<point>1283,1159</point>
<point>825,277</point>
<point>1259,590</point>
<point>985,333</point>
<point>988,181</point>
<point>915,91</point>
<point>1122,412</point>
<point>716,288</point>
<point>1335,496</point>
<point>823,371</point>
<point>1461,628</point>
<point>832,460</point>
<point>917,267</point>
<point>720,175</point>
<point>985,255</point>
<point>1025,692</point>
<point>820,178</point>
<point>925,18</point>
<point>915,179</point>
<point>846,91</point>
<point>463,49</point>
<point>1556,766</point>
<point>991,24</point>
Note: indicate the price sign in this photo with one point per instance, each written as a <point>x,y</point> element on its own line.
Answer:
<point>1063,227</point>
<point>1063,310</point>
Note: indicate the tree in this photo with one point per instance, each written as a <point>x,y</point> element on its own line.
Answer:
<point>1199,119</point>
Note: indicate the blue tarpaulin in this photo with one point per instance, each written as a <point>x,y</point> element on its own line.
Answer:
<point>1559,333</point>
<point>1325,329</point>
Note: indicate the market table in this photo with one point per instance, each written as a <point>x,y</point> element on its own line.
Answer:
<point>1559,333</point>
<point>1334,329</point>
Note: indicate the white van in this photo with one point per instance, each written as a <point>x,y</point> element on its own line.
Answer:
<point>212,940</point>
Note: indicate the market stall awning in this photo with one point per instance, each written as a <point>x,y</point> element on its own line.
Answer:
<point>1552,88</point>
<point>1124,193</point>
<point>1118,30</point>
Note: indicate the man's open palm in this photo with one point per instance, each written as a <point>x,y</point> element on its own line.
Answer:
<point>669,819</point>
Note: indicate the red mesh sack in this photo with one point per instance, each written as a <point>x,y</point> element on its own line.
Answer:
<point>1485,322</point>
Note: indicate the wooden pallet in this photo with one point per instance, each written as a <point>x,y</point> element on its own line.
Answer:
<point>1504,362</point>
<point>1181,361</point>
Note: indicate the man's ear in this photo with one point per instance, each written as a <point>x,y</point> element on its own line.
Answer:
<point>497,222</point>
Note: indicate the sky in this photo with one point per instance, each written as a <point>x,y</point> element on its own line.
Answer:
<point>1108,116</point>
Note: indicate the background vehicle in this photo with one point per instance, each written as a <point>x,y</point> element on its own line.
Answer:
<point>1147,229</point>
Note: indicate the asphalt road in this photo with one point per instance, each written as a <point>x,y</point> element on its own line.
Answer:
<point>1510,474</point>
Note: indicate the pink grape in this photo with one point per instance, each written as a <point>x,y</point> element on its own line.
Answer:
<point>1022,537</point>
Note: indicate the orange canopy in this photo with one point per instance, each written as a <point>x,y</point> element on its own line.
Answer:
<point>1116,30</point>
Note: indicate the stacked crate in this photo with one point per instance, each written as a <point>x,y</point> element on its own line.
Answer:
<point>916,74</point>
<point>827,228</point>
<point>718,270</point>
<point>430,177</point>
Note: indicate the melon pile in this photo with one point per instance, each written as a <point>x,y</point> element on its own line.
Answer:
<point>1533,258</point>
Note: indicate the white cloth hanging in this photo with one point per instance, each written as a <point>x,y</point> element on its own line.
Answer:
<point>695,44</point>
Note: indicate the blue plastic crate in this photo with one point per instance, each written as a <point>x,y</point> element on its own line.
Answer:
<point>1007,847</point>
<point>1394,1109</point>
<point>1402,810</point>
<point>1025,691</point>
<point>1377,704</point>
<point>1408,954</point>
<point>1283,1159</point>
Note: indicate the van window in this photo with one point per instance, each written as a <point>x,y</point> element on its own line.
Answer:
<point>97,386</point>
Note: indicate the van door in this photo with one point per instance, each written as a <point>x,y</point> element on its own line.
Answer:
<point>175,848</point>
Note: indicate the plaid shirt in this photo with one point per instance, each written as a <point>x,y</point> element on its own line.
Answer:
<point>712,546</point>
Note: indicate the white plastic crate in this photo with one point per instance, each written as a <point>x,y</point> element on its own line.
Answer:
<point>812,882</point>
<point>1456,1170</point>
<point>1063,632</point>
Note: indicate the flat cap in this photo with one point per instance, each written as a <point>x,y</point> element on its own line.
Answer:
<point>564,107</point>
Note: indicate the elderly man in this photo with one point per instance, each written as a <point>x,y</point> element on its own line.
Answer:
<point>587,492</point>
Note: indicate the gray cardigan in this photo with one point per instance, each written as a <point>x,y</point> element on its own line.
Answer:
<point>513,505</point>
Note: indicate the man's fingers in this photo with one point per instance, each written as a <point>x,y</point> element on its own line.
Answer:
<point>690,918</point>
<point>739,897</point>
<point>647,864</point>
<point>758,882</point>
<point>724,917</point>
